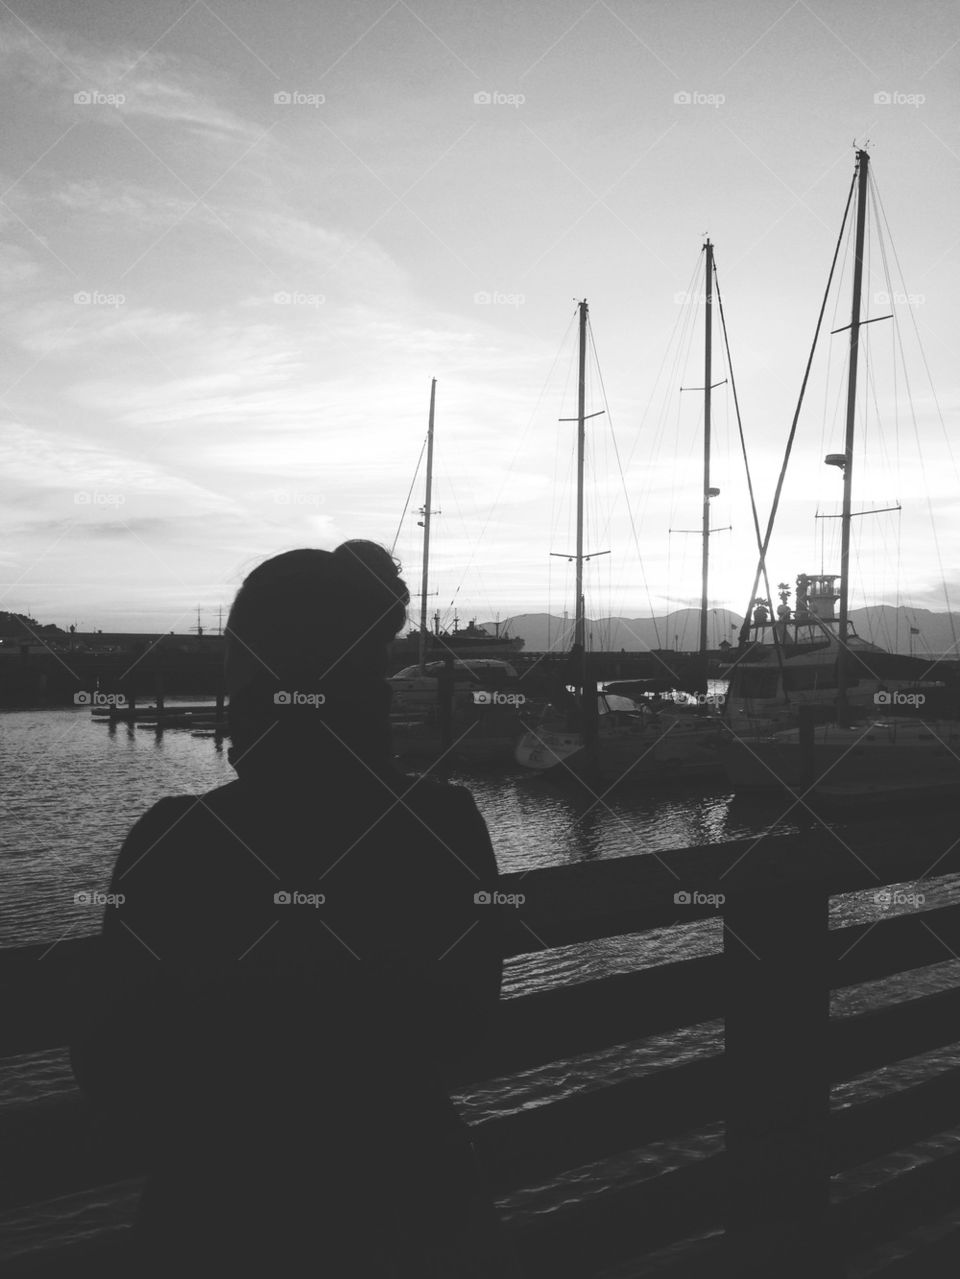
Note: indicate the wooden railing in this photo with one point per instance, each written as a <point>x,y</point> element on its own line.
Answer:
<point>760,1207</point>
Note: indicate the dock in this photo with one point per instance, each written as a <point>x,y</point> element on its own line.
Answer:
<point>776,1197</point>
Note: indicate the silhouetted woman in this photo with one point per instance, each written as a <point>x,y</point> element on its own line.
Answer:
<point>299,965</point>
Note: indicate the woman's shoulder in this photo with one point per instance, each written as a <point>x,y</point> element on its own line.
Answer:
<point>173,819</point>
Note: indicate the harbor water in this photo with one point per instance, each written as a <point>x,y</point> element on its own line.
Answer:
<point>74,787</point>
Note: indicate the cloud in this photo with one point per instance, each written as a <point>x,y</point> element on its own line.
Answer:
<point>152,84</point>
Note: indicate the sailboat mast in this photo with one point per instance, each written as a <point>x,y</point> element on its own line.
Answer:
<point>863,161</point>
<point>707,371</point>
<point>426,532</point>
<point>579,633</point>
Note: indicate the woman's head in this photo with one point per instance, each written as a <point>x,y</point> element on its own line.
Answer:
<point>307,653</point>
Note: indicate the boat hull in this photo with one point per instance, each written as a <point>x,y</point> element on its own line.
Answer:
<point>868,763</point>
<point>680,751</point>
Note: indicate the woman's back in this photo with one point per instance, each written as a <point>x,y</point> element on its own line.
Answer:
<point>297,964</point>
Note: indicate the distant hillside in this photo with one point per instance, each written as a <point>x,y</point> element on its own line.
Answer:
<point>890,628</point>
<point>680,630</point>
<point>22,626</point>
<point>880,623</point>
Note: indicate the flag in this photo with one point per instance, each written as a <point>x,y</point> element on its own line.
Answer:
<point>914,630</point>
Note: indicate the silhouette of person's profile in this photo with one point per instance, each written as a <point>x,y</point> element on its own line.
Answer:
<point>301,961</point>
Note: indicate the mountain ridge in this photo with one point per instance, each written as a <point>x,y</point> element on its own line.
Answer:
<point>886,625</point>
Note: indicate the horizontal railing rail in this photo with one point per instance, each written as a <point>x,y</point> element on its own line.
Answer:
<point>761,1203</point>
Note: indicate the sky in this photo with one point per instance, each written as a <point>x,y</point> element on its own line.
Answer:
<point>239,239</point>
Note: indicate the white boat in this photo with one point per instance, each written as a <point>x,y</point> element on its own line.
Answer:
<point>633,743</point>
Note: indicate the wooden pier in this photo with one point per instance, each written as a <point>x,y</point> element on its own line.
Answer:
<point>772,1202</point>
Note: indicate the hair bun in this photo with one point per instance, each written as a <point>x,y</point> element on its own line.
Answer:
<point>370,557</point>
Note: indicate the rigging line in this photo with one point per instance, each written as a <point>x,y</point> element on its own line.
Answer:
<point>516,452</point>
<point>746,464</point>
<point>906,377</point>
<point>565,506</point>
<point>406,505</point>
<point>825,415</point>
<point>899,597</point>
<point>636,540</point>
<point>667,349</point>
<point>929,503</point>
<point>481,589</point>
<point>744,632</point>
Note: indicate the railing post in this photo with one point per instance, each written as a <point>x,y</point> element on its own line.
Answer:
<point>777,991</point>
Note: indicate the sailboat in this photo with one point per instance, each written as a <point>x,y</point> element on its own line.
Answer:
<point>448,703</point>
<point>596,736</point>
<point>858,751</point>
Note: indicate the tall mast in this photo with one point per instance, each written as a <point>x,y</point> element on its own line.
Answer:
<point>707,361</point>
<point>863,161</point>
<point>579,631</point>
<point>588,700</point>
<point>427,512</point>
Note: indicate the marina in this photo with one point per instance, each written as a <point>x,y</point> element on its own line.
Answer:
<point>571,956</point>
<point>479,701</point>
